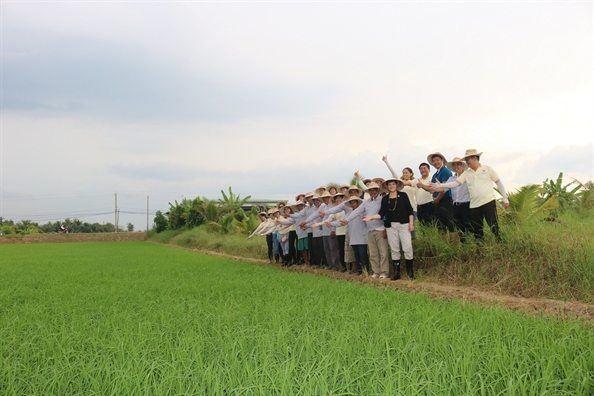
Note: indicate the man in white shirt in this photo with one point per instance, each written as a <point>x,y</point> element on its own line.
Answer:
<point>480,179</point>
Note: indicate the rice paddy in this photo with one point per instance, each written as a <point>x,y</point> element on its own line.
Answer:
<point>119,318</point>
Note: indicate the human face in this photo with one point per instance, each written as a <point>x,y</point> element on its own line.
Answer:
<point>472,162</point>
<point>354,193</point>
<point>287,211</point>
<point>344,190</point>
<point>392,186</point>
<point>317,202</point>
<point>374,192</point>
<point>354,204</point>
<point>458,167</point>
<point>437,161</point>
<point>332,191</point>
<point>338,200</point>
<point>300,207</point>
<point>424,171</point>
<point>406,175</point>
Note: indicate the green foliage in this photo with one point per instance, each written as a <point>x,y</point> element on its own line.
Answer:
<point>160,222</point>
<point>526,203</point>
<point>566,198</point>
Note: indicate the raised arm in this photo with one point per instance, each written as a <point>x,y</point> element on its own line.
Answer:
<point>392,171</point>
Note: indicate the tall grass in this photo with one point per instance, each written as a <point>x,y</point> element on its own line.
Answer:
<point>140,318</point>
<point>540,258</point>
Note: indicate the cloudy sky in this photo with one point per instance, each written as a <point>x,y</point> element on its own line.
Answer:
<point>183,99</point>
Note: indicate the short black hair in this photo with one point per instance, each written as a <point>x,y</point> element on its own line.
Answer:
<point>425,164</point>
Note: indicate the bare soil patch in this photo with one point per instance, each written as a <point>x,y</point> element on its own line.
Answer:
<point>63,238</point>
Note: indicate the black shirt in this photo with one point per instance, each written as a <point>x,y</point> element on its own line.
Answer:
<point>396,210</point>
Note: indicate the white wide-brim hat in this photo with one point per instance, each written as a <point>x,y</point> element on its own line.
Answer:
<point>430,157</point>
<point>450,165</point>
<point>347,203</point>
<point>399,183</point>
<point>471,153</point>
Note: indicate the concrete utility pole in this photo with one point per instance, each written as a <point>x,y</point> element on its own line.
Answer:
<point>115,213</point>
<point>147,213</point>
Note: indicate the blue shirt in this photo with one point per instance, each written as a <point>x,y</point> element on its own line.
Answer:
<point>442,175</point>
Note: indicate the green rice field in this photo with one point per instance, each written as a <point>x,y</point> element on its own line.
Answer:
<point>137,318</point>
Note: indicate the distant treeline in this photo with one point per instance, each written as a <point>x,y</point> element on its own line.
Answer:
<point>25,227</point>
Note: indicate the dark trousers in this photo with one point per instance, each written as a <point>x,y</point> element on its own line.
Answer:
<point>269,243</point>
<point>361,256</point>
<point>292,247</point>
<point>425,213</point>
<point>488,213</point>
<point>320,256</point>
<point>443,214</point>
<point>461,212</point>
<point>340,239</point>
<point>312,250</point>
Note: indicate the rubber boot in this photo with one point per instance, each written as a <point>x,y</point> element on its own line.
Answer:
<point>409,269</point>
<point>276,258</point>
<point>396,274</point>
<point>270,257</point>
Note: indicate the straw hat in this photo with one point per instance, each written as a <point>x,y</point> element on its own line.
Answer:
<point>344,186</point>
<point>372,185</point>
<point>337,195</point>
<point>263,214</point>
<point>365,181</point>
<point>297,198</point>
<point>378,180</point>
<point>430,157</point>
<point>318,190</point>
<point>326,194</point>
<point>316,196</point>
<point>273,211</point>
<point>279,203</point>
<point>399,183</point>
<point>450,165</point>
<point>348,202</point>
<point>353,187</point>
<point>471,153</point>
<point>294,206</point>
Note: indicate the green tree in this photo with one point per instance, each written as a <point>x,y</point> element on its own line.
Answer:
<point>130,227</point>
<point>160,222</point>
<point>233,204</point>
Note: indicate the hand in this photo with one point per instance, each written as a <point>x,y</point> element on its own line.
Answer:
<point>276,222</point>
<point>436,201</point>
<point>411,227</point>
<point>322,214</point>
<point>332,235</point>
<point>384,234</point>
<point>505,204</point>
<point>328,224</point>
<point>385,158</point>
<point>419,184</point>
<point>366,218</point>
<point>314,225</point>
<point>344,222</point>
<point>357,174</point>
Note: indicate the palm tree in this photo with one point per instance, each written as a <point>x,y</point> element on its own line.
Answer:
<point>233,204</point>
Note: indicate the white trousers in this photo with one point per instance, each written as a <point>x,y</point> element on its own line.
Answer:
<point>399,234</point>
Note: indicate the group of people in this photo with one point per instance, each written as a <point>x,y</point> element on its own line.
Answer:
<point>371,225</point>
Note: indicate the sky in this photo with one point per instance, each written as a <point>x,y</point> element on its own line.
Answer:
<point>174,100</point>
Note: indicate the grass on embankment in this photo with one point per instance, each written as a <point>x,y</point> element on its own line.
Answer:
<point>139,318</point>
<point>540,259</point>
